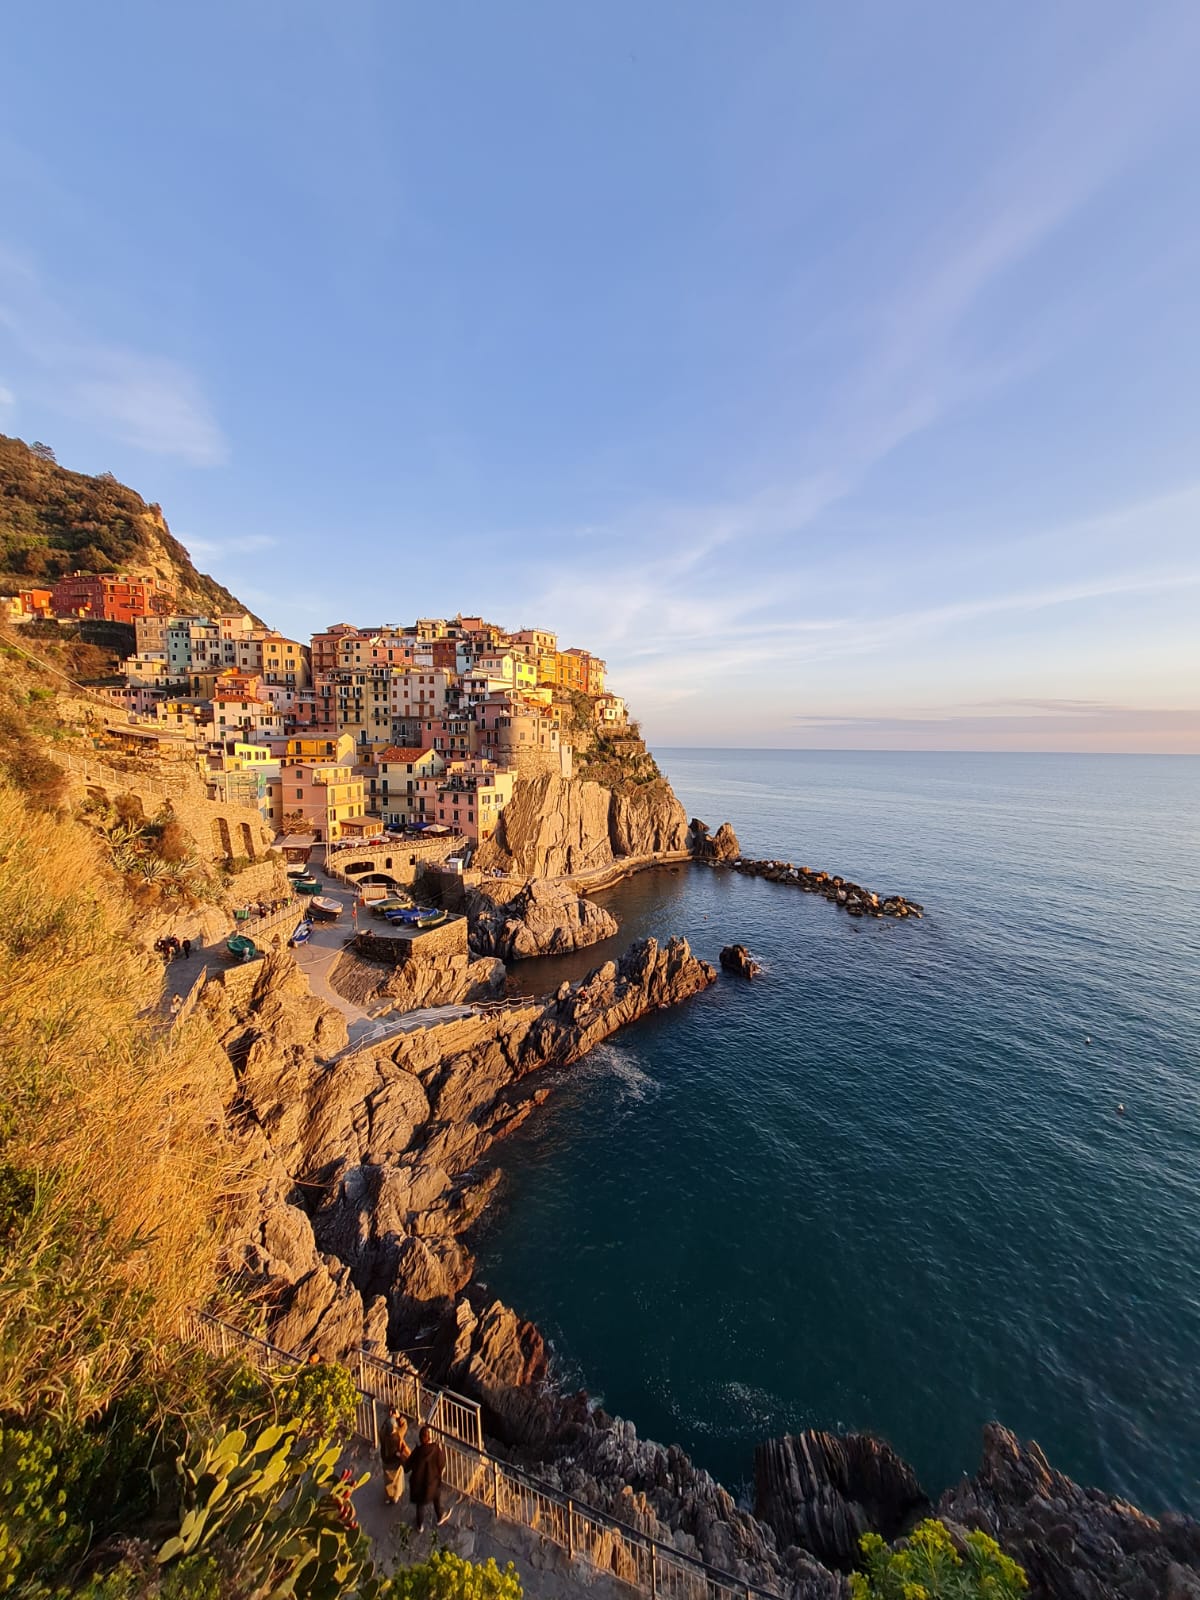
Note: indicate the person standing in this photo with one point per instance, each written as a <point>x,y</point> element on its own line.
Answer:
<point>425,1468</point>
<point>394,1452</point>
<point>187,948</point>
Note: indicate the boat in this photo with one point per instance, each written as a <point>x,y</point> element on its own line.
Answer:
<point>429,919</point>
<point>307,885</point>
<point>325,907</point>
<point>241,947</point>
<point>392,902</point>
<point>301,933</point>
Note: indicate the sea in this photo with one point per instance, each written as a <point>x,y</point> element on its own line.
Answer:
<point>918,1175</point>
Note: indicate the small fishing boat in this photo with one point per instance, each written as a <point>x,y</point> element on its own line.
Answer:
<point>241,947</point>
<point>393,902</point>
<point>307,885</point>
<point>323,906</point>
<point>301,934</point>
<point>429,919</point>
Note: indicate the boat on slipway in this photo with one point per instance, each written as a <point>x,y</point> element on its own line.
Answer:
<point>301,934</point>
<point>306,885</point>
<point>241,947</point>
<point>324,907</point>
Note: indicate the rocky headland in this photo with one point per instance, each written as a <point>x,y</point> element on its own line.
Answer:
<point>569,827</point>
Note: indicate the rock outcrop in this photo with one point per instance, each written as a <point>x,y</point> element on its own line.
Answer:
<point>720,846</point>
<point>387,988</point>
<point>661,1492</point>
<point>851,898</point>
<point>1074,1543</point>
<point>369,1173</point>
<point>823,1491</point>
<point>538,919</point>
<point>564,827</point>
<point>737,959</point>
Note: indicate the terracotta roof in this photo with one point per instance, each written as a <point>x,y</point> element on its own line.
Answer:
<point>396,752</point>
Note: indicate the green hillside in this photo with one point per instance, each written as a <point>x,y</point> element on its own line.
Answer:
<point>54,521</point>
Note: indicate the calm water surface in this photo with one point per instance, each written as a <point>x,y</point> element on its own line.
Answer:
<point>886,1186</point>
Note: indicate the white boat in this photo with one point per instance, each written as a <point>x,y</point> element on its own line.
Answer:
<point>325,907</point>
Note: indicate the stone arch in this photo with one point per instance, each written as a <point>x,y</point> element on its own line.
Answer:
<point>222,843</point>
<point>247,840</point>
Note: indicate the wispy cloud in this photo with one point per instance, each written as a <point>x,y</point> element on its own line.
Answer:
<point>145,400</point>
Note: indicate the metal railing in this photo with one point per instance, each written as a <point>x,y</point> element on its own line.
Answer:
<point>581,1531</point>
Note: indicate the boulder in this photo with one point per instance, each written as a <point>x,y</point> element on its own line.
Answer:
<point>720,846</point>
<point>736,958</point>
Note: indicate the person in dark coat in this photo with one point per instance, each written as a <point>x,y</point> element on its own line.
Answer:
<point>425,1468</point>
<point>187,948</point>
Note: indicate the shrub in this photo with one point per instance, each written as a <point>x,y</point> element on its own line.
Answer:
<point>446,1576</point>
<point>928,1566</point>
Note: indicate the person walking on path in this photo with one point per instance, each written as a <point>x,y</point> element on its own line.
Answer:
<point>187,948</point>
<point>394,1452</point>
<point>425,1468</point>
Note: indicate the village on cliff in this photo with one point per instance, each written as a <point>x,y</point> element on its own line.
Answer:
<point>424,728</point>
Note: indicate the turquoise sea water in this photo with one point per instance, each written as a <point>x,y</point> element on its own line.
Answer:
<point>887,1186</point>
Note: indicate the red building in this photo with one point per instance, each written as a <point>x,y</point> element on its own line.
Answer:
<point>109,597</point>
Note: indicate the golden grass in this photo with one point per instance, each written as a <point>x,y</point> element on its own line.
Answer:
<point>116,1122</point>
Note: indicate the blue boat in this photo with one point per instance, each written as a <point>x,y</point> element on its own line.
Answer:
<point>302,933</point>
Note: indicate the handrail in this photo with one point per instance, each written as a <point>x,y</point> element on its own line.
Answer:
<point>581,1531</point>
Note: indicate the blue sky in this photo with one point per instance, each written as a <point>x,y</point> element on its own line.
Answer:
<point>832,370</point>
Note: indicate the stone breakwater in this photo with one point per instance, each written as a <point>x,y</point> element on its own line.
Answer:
<point>853,899</point>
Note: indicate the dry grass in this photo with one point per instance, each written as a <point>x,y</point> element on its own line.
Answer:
<point>112,1141</point>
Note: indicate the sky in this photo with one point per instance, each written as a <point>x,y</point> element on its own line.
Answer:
<point>832,371</point>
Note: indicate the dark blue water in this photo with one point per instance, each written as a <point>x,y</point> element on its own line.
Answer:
<point>886,1186</point>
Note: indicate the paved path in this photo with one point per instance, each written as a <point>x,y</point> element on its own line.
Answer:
<point>474,1533</point>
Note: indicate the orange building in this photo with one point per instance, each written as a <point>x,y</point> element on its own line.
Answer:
<point>108,597</point>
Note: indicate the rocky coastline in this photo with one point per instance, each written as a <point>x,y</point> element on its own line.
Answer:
<point>368,1169</point>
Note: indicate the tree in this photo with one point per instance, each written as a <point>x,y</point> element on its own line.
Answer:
<point>43,452</point>
<point>928,1565</point>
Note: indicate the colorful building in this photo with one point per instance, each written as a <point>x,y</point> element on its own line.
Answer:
<point>468,797</point>
<point>315,797</point>
<point>108,596</point>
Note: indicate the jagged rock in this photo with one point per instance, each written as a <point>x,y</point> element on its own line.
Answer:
<point>736,958</point>
<point>664,1494</point>
<point>566,827</point>
<point>539,919</point>
<point>720,846</point>
<point>823,1491</point>
<point>1074,1543</point>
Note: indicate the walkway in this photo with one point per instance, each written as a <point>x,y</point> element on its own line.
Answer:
<point>475,1533</point>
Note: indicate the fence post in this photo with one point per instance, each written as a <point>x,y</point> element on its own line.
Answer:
<point>495,1487</point>
<point>224,1346</point>
<point>653,1568</point>
<point>570,1530</point>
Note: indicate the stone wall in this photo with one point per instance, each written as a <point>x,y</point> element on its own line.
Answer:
<point>396,947</point>
<point>402,861</point>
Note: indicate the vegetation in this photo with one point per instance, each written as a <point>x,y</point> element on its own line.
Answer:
<point>134,1466</point>
<point>446,1576</point>
<point>53,521</point>
<point>929,1565</point>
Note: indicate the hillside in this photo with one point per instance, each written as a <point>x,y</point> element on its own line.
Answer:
<point>54,521</point>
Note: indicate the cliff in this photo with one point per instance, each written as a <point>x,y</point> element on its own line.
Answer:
<point>54,521</point>
<point>367,1172</point>
<point>566,827</point>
